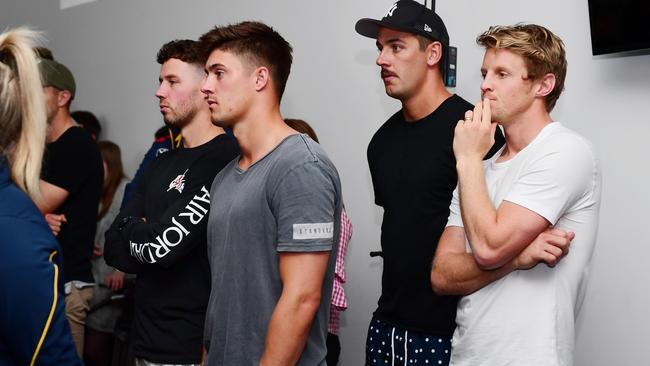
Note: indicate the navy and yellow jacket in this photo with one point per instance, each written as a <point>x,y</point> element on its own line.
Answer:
<point>33,326</point>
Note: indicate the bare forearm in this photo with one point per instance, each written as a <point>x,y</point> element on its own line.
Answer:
<point>51,197</point>
<point>478,213</point>
<point>288,330</point>
<point>459,274</point>
<point>496,235</point>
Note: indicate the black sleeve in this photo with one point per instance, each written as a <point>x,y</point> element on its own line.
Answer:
<point>371,154</point>
<point>116,248</point>
<point>180,228</point>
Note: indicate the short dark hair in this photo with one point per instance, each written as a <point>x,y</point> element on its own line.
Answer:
<point>88,121</point>
<point>260,44</point>
<point>182,49</point>
<point>424,42</point>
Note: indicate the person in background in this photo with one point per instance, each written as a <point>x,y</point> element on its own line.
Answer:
<point>339,301</point>
<point>88,121</point>
<point>166,138</point>
<point>33,325</point>
<point>100,323</point>
<point>71,185</point>
<point>302,127</point>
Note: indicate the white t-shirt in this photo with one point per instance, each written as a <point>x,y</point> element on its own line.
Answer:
<point>527,317</point>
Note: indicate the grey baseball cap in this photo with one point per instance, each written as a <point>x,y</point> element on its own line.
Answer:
<point>57,75</point>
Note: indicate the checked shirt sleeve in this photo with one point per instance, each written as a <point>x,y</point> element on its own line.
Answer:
<point>339,300</point>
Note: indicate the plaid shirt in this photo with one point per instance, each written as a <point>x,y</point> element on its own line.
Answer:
<point>339,301</point>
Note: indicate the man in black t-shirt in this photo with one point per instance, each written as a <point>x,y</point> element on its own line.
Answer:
<point>413,172</point>
<point>71,185</point>
<point>160,234</point>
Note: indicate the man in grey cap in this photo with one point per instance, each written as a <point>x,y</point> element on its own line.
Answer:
<point>71,185</point>
<point>413,171</point>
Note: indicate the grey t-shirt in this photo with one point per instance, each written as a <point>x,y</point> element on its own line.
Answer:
<point>288,201</point>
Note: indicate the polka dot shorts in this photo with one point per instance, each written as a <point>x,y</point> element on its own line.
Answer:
<point>388,345</point>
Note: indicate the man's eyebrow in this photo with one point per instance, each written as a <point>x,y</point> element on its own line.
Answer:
<point>167,77</point>
<point>389,41</point>
<point>213,67</point>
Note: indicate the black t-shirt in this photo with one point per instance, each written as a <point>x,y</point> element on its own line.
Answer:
<point>413,171</point>
<point>168,252</point>
<point>73,163</point>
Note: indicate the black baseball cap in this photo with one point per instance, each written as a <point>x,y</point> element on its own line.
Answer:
<point>407,16</point>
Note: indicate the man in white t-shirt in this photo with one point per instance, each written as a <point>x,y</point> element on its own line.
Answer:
<point>542,187</point>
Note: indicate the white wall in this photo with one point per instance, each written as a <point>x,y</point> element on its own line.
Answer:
<point>110,46</point>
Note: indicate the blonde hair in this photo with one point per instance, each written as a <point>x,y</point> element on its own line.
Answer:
<point>543,52</point>
<point>22,108</point>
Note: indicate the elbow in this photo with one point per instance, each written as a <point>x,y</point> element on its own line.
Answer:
<point>488,259</point>
<point>108,255</point>
<point>306,303</point>
<point>489,252</point>
<point>440,284</point>
<point>310,302</point>
<point>110,259</point>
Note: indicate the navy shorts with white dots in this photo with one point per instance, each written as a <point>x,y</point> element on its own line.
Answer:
<point>388,345</point>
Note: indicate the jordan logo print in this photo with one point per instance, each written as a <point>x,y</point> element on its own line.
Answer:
<point>178,183</point>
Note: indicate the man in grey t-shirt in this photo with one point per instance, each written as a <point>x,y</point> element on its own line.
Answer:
<point>274,213</point>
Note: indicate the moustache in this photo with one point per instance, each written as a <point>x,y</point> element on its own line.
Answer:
<point>386,73</point>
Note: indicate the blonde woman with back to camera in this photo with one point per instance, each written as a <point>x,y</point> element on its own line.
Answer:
<point>33,326</point>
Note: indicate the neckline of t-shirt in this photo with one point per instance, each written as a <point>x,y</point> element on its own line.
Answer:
<point>284,140</point>
<point>203,146</point>
<point>540,136</point>
<point>69,131</point>
<point>442,106</point>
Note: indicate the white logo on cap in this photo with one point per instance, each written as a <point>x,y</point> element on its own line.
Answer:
<point>390,11</point>
<point>427,28</point>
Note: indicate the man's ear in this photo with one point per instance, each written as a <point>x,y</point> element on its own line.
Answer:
<point>63,98</point>
<point>546,85</point>
<point>262,78</point>
<point>434,53</point>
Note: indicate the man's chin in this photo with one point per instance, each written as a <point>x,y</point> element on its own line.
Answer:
<point>393,93</point>
<point>175,122</point>
<point>219,123</point>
